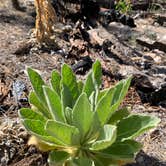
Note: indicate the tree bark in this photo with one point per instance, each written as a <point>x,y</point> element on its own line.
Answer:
<point>45,20</point>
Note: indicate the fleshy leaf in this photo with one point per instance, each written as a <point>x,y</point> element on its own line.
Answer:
<point>118,89</point>
<point>103,107</point>
<point>110,102</point>
<point>54,104</point>
<point>125,88</point>
<point>93,80</point>
<point>41,107</point>
<point>66,98</point>
<point>102,93</point>
<point>40,144</point>
<point>37,128</point>
<point>69,80</point>
<point>82,114</point>
<point>66,133</point>
<point>26,113</point>
<point>122,150</point>
<point>89,86</point>
<point>121,90</point>
<point>82,162</point>
<point>57,157</point>
<point>135,125</point>
<point>37,83</point>
<point>119,115</point>
<point>104,161</point>
<point>97,73</point>
<point>68,114</point>
<point>55,82</point>
<point>94,131</point>
<point>106,138</point>
<point>80,86</point>
<point>92,99</point>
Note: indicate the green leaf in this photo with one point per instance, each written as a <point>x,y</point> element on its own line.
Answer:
<point>34,100</point>
<point>102,93</point>
<point>37,84</point>
<point>37,128</point>
<point>54,104</point>
<point>135,125</point>
<point>119,115</point>
<point>118,89</point>
<point>61,131</point>
<point>92,99</point>
<point>97,73</point>
<point>121,90</point>
<point>89,86</point>
<point>82,114</point>
<point>93,80</point>
<point>57,157</point>
<point>66,98</point>
<point>55,82</point>
<point>81,161</point>
<point>68,114</point>
<point>104,161</point>
<point>122,150</point>
<point>125,88</point>
<point>106,138</point>
<point>26,113</point>
<point>80,86</point>
<point>94,131</point>
<point>69,80</point>
<point>103,107</point>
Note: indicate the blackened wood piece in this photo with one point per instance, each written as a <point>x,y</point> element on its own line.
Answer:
<point>84,65</point>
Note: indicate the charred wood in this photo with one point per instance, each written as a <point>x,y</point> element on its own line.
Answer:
<point>114,15</point>
<point>83,65</point>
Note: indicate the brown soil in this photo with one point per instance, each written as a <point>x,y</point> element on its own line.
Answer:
<point>15,30</point>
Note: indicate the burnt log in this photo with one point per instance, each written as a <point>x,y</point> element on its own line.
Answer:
<point>104,3</point>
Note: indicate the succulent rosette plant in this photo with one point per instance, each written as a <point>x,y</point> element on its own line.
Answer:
<point>80,124</point>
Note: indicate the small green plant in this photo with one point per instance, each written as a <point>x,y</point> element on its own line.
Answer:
<point>124,6</point>
<point>79,124</point>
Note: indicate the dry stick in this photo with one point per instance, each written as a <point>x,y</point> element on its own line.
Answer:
<point>45,20</point>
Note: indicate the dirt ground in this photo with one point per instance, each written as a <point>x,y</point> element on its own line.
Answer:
<point>15,29</point>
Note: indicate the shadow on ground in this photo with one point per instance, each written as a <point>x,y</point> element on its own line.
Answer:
<point>22,19</point>
<point>142,159</point>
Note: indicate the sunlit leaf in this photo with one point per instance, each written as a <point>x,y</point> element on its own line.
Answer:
<point>55,82</point>
<point>69,80</point>
<point>41,107</point>
<point>82,114</point>
<point>119,115</point>
<point>54,104</point>
<point>106,138</point>
<point>37,128</point>
<point>135,125</point>
<point>26,113</point>
<point>37,83</point>
<point>57,157</point>
<point>63,132</point>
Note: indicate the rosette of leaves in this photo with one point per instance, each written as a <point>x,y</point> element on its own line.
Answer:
<point>79,124</point>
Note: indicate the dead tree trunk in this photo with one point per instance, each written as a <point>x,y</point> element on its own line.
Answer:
<point>45,20</point>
